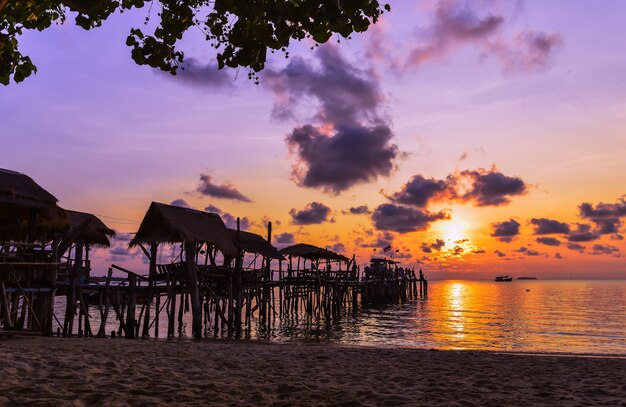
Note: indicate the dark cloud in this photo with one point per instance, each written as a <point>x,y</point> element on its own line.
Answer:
<point>285,238</point>
<point>499,253</point>
<point>455,22</point>
<point>481,187</point>
<point>532,253</point>
<point>605,216</point>
<point>403,219</point>
<point>382,240</point>
<point>349,141</point>
<point>124,237</point>
<point>419,191</point>
<point>120,251</point>
<point>576,246</point>
<point>522,249</point>
<point>226,191</point>
<point>549,241</point>
<point>506,231</point>
<point>436,245</point>
<point>544,226</point>
<point>194,73</point>
<point>231,221</point>
<point>582,237</point>
<point>350,155</point>
<point>457,250</point>
<point>599,249</point>
<point>338,248</point>
<point>558,255</point>
<point>485,187</point>
<point>479,251</point>
<point>313,213</point>
<point>358,210</point>
<point>617,237</point>
<point>212,209</point>
<point>344,94</point>
<point>180,202</point>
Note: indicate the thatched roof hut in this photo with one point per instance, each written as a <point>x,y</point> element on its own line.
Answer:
<point>310,252</point>
<point>173,224</point>
<point>93,230</point>
<point>23,202</point>
<point>253,243</point>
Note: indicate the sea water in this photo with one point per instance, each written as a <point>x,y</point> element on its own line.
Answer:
<point>523,316</point>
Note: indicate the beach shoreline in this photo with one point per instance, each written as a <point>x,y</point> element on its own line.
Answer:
<point>112,372</point>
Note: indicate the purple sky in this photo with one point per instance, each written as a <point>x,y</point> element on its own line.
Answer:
<point>408,119</point>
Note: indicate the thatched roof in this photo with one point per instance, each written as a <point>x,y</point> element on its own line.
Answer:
<point>172,224</point>
<point>20,189</point>
<point>23,200</point>
<point>253,243</point>
<point>93,232</point>
<point>311,252</point>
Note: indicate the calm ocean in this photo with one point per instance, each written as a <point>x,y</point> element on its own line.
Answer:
<point>528,316</point>
<point>583,316</point>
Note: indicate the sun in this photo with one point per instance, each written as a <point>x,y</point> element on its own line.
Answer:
<point>454,230</point>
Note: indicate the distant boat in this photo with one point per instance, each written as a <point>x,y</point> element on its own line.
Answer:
<point>526,278</point>
<point>504,278</point>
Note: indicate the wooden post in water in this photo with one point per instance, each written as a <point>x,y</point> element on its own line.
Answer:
<point>192,287</point>
<point>132,305</point>
<point>151,279</point>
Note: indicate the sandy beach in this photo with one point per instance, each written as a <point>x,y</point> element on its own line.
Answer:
<point>112,372</point>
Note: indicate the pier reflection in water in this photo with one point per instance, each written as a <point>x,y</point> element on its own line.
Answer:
<point>534,316</point>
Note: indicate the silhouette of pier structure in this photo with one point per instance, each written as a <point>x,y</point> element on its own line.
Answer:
<point>223,277</point>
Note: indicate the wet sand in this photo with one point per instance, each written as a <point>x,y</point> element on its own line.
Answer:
<point>116,372</point>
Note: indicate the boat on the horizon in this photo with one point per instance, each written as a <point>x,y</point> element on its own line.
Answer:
<point>504,278</point>
<point>526,278</point>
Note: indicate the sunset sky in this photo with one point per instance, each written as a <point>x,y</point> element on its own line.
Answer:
<point>474,137</point>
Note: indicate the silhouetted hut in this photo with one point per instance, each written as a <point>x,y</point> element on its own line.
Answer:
<point>194,229</point>
<point>26,209</point>
<point>28,258</point>
<point>83,231</point>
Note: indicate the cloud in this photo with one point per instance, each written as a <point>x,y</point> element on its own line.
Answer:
<point>436,245</point>
<point>506,231</point>
<point>599,249</point>
<point>499,253</point>
<point>606,216</point>
<point>338,248</point>
<point>285,238</point>
<point>582,237</point>
<point>558,255</point>
<point>195,74</point>
<point>180,202</point>
<point>480,186</point>
<point>617,237</point>
<point>225,191</point>
<point>485,187</point>
<point>576,246</point>
<point>532,253</point>
<point>124,237</point>
<point>522,249</point>
<point>403,219</point>
<point>549,241</point>
<point>418,191</point>
<point>479,251</point>
<point>529,51</point>
<point>231,221</point>
<point>313,213</point>
<point>343,93</point>
<point>454,23</point>
<point>348,140</point>
<point>357,210</point>
<point>212,209</point>
<point>457,250</point>
<point>544,226</point>
<point>350,155</point>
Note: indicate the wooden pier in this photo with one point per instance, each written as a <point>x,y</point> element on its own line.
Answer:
<point>224,278</point>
